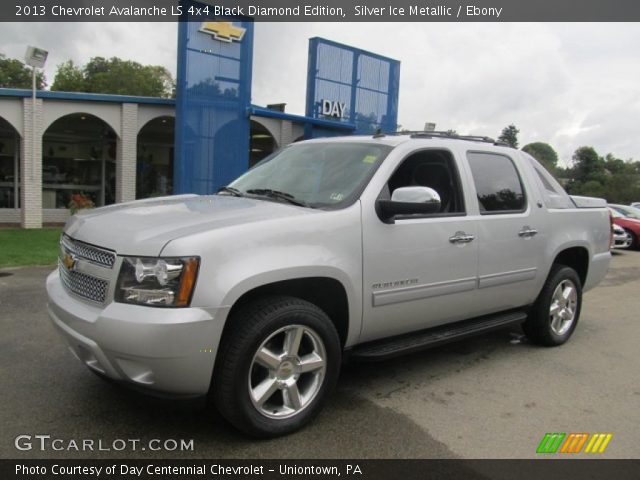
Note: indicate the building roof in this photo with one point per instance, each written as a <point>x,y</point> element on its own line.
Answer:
<point>85,97</point>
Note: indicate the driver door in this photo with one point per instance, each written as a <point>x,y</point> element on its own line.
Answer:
<point>420,270</point>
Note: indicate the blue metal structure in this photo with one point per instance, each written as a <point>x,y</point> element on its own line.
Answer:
<point>366,84</point>
<point>213,98</point>
<point>212,101</point>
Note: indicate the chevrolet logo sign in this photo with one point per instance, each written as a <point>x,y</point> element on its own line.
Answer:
<point>223,31</point>
<point>69,261</point>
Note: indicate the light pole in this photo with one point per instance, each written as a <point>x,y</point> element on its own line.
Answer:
<point>36,58</point>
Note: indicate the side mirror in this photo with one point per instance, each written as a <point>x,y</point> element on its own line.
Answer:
<point>408,201</point>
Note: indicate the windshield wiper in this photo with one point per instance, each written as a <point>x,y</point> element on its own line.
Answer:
<point>287,197</point>
<point>233,191</point>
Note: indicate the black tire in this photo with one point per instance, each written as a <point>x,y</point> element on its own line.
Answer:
<point>635,245</point>
<point>273,319</point>
<point>540,326</point>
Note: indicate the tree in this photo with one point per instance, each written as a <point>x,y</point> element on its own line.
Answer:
<point>588,165</point>
<point>509,136</point>
<point>114,76</point>
<point>611,178</point>
<point>544,153</point>
<point>591,188</point>
<point>69,78</point>
<point>614,165</point>
<point>15,74</point>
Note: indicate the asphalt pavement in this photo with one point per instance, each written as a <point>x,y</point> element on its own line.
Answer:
<point>493,396</point>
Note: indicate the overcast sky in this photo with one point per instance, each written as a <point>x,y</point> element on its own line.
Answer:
<point>565,84</point>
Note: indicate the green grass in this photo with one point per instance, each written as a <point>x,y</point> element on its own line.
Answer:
<point>19,247</point>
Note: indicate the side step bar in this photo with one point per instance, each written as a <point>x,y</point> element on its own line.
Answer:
<point>415,341</point>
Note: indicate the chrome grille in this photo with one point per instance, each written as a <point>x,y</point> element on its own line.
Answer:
<point>85,269</point>
<point>86,286</point>
<point>88,252</point>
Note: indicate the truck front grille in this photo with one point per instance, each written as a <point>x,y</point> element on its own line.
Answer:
<point>85,269</point>
<point>87,286</point>
<point>88,252</point>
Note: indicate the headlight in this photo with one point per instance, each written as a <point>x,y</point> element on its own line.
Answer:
<point>160,282</point>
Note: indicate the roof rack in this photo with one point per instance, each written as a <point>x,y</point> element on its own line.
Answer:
<point>449,135</point>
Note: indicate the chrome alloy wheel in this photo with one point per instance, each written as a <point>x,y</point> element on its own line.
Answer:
<point>562,311</point>
<point>287,371</point>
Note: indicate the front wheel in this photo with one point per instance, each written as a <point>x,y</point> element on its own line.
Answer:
<point>555,314</point>
<point>278,361</point>
<point>635,244</point>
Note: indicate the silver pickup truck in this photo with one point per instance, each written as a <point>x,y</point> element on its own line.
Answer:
<point>354,247</point>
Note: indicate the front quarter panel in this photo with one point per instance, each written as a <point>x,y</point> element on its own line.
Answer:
<point>237,259</point>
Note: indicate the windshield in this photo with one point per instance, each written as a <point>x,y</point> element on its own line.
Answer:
<point>628,211</point>
<point>615,213</point>
<point>314,174</point>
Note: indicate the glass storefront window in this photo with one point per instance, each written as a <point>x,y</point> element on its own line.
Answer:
<point>154,168</point>
<point>79,153</point>
<point>9,166</point>
<point>261,145</point>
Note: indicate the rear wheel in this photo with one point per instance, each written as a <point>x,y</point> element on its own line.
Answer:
<point>278,361</point>
<point>555,314</point>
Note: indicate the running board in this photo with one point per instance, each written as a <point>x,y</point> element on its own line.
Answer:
<point>391,347</point>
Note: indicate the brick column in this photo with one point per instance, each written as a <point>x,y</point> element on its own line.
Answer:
<point>31,167</point>
<point>127,153</point>
<point>286,133</point>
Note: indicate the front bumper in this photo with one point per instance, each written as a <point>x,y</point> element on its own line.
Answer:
<point>167,351</point>
<point>622,240</point>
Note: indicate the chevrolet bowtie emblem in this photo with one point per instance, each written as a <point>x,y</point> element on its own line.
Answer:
<point>69,261</point>
<point>224,31</point>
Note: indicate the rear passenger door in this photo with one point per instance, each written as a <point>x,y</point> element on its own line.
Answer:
<point>510,231</point>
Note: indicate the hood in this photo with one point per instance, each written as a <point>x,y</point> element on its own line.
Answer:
<point>144,227</point>
<point>627,222</point>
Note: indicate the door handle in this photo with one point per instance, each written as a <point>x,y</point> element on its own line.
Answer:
<point>527,232</point>
<point>461,237</point>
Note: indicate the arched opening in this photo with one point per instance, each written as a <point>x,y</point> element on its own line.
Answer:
<point>78,158</point>
<point>261,144</point>
<point>154,168</point>
<point>9,166</point>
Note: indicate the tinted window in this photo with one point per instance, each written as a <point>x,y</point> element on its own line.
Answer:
<point>497,183</point>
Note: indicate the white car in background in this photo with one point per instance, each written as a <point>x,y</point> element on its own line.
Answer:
<point>621,238</point>
<point>626,210</point>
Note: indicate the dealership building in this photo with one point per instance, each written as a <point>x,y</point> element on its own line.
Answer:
<point>113,148</point>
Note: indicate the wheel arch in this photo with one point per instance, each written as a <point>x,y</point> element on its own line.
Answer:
<point>576,257</point>
<point>326,292</point>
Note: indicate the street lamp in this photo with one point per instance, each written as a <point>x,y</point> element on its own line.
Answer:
<point>36,58</point>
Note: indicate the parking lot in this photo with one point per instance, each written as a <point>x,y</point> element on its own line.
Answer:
<point>494,396</point>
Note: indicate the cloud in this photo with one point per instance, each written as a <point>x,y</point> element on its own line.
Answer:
<point>566,84</point>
